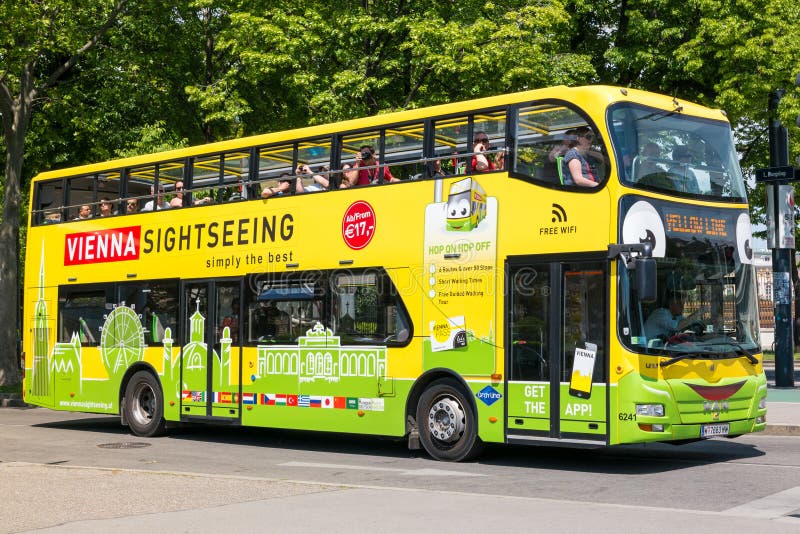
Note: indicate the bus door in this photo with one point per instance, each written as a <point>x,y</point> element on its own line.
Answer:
<point>556,339</point>
<point>210,350</point>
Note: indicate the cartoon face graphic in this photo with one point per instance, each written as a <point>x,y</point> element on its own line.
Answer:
<point>744,237</point>
<point>466,205</point>
<point>643,224</point>
<point>458,207</point>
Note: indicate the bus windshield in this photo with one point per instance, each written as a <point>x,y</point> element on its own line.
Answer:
<point>707,304</point>
<point>669,152</point>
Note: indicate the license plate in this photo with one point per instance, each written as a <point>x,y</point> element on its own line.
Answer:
<point>720,429</point>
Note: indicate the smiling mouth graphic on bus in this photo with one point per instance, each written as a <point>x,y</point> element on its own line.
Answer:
<point>716,393</point>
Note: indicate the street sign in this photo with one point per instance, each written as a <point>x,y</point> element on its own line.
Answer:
<point>776,174</point>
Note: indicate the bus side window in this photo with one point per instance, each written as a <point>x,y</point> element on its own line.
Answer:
<point>108,190</point>
<point>450,143</point>
<point>492,126</point>
<point>81,191</point>
<point>81,313</point>
<point>403,151</point>
<point>274,162</point>
<point>544,133</point>
<point>367,309</point>
<point>49,202</point>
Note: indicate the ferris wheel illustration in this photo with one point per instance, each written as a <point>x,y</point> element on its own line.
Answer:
<point>122,340</point>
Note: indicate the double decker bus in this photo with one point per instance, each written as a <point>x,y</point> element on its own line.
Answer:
<point>557,314</point>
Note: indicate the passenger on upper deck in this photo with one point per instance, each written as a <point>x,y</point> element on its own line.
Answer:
<point>365,176</point>
<point>159,202</point>
<point>52,217</point>
<point>551,163</point>
<point>132,206</point>
<point>284,184</point>
<point>85,212</point>
<point>576,168</point>
<point>177,201</point>
<point>437,169</point>
<point>480,162</point>
<point>319,182</point>
<point>106,208</point>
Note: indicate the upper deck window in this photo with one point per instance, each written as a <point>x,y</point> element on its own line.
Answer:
<point>456,141</point>
<point>674,153</point>
<point>545,135</point>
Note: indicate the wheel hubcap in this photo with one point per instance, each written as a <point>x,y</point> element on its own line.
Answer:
<point>446,420</point>
<point>144,402</point>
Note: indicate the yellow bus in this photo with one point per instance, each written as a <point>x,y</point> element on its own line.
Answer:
<point>168,288</point>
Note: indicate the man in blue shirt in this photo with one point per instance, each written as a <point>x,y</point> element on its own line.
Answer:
<point>664,322</point>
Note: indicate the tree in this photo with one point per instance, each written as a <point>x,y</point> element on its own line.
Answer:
<point>43,44</point>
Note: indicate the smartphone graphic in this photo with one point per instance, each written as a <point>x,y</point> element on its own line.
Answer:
<point>580,384</point>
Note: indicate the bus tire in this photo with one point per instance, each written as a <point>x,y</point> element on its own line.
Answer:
<point>144,405</point>
<point>448,428</point>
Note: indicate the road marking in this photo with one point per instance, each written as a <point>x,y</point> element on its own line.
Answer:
<point>426,472</point>
<point>775,505</point>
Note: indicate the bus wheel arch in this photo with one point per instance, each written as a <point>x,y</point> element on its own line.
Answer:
<point>444,416</point>
<point>142,401</point>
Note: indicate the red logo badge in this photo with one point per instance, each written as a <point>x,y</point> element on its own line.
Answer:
<point>358,225</point>
<point>118,244</point>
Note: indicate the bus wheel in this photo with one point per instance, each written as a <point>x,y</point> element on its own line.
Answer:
<point>144,405</point>
<point>446,421</point>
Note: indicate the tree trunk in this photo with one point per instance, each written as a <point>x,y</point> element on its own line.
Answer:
<point>15,128</point>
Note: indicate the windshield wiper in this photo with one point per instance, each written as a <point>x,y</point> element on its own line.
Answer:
<point>678,358</point>
<point>749,355</point>
<point>712,355</point>
<point>660,114</point>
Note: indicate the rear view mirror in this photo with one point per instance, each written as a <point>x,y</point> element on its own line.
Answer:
<point>646,286</point>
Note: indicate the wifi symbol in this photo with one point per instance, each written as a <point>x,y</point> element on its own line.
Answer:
<point>559,215</point>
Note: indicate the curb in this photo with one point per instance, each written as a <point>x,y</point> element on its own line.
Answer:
<point>781,430</point>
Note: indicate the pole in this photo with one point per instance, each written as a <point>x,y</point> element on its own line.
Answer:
<point>781,257</point>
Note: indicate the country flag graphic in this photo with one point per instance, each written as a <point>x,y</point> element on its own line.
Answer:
<point>303,401</point>
<point>248,398</point>
<point>268,399</point>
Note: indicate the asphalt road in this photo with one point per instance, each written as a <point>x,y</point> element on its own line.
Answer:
<point>71,472</point>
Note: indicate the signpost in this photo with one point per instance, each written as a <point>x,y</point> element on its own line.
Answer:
<point>780,216</point>
<point>777,174</point>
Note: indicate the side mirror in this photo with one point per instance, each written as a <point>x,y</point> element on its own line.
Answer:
<point>646,286</point>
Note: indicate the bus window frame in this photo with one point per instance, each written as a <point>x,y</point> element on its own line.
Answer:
<point>512,152</point>
<point>623,179</point>
<point>66,292</point>
<point>326,291</point>
<point>40,213</point>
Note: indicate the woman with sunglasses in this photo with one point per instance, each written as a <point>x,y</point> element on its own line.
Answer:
<point>577,170</point>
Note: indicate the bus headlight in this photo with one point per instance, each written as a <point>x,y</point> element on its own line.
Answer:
<point>762,404</point>
<point>650,410</point>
